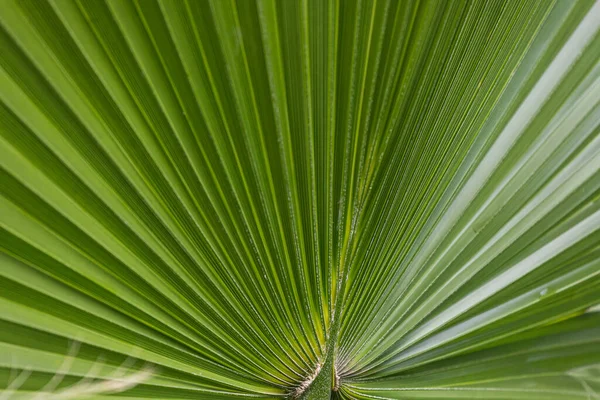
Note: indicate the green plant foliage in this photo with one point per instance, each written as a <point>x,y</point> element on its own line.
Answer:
<point>345,199</point>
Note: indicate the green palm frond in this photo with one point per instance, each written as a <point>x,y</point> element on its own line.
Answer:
<point>362,199</point>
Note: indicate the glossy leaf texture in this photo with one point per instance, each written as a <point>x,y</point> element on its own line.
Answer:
<point>310,199</point>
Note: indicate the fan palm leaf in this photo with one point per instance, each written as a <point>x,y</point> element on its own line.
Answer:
<point>307,199</point>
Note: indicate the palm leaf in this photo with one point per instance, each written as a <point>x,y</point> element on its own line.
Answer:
<point>319,199</point>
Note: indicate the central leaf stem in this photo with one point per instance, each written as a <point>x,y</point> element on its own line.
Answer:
<point>324,379</point>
